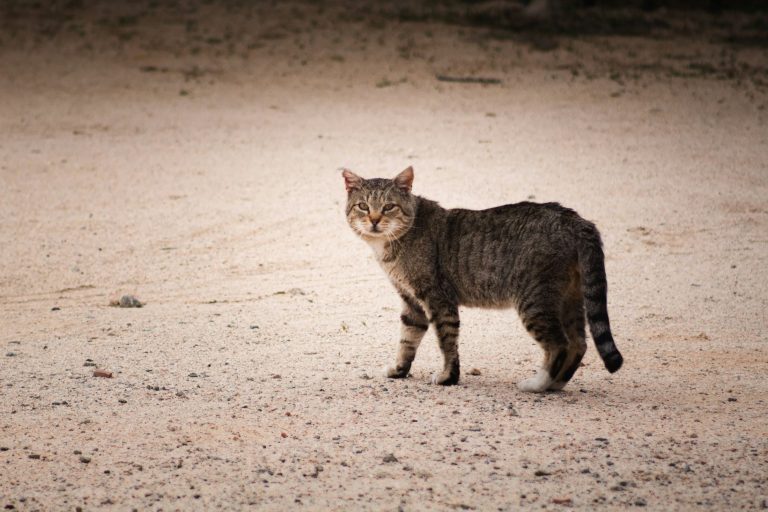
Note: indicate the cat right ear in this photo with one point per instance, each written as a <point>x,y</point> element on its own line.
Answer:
<point>351,180</point>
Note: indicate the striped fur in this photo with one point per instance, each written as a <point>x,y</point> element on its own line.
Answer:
<point>543,259</point>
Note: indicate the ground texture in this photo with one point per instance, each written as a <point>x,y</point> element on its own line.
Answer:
<point>188,155</point>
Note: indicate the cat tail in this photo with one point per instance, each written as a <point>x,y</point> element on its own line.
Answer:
<point>595,289</point>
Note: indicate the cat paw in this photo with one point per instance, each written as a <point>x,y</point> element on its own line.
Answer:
<point>539,383</point>
<point>391,372</point>
<point>557,386</point>
<point>445,378</point>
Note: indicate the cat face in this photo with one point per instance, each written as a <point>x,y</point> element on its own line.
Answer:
<point>380,208</point>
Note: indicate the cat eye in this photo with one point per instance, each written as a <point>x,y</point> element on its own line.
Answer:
<point>388,207</point>
<point>363,206</point>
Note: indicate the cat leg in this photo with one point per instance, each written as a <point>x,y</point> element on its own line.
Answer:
<point>548,331</point>
<point>573,323</point>
<point>413,326</point>
<point>446,319</point>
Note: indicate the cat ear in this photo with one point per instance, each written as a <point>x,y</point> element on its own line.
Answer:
<point>404,180</point>
<point>351,180</point>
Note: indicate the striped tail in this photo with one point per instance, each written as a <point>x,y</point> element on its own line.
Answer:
<point>595,289</point>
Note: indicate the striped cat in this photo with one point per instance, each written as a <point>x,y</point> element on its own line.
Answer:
<point>542,259</point>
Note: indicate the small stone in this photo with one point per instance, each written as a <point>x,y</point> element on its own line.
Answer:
<point>732,399</point>
<point>474,371</point>
<point>193,375</point>
<point>10,354</point>
<point>388,458</point>
<point>541,472</point>
<point>562,501</point>
<point>640,502</point>
<point>102,373</point>
<point>126,301</point>
<point>4,448</point>
<point>365,376</point>
<point>56,308</point>
<point>123,401</point>
<point>84,459</point>
<point>283,435</point>
<point>34,456</point>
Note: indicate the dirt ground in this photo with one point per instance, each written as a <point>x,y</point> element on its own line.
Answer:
<point>187,153</point>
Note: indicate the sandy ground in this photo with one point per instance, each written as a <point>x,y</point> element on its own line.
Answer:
<point>188,155</point>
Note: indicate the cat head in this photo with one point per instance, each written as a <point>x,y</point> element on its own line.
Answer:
<point>380,208</point>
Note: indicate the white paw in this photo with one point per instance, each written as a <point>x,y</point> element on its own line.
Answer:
<point>434,378</point>
<point>385,371</point>
<point>536,384</point>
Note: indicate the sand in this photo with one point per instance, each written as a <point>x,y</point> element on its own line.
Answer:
<point>189,156</point>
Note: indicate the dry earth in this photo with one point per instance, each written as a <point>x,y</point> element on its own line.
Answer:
<point>187,153</point>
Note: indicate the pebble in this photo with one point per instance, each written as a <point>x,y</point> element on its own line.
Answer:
<point>56,308</point>
<point>640,502</point>
<point>193,375</point>
<point>474,371</point>
<point>10,354</point>
<point>34,456</point>
<point>390,457</point>
<point>84,459</point>
<point>102,373</point>
<point>562,501</point>
<point>123,401</point>
<point>127,301</point>
<point>541,472</point>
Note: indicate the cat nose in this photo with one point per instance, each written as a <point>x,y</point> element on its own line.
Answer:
<point>374,219</point>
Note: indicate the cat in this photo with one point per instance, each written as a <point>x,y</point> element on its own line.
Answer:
<point>543,259</point>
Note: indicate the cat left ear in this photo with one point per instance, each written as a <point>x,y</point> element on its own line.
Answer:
<point>351,180</point>
<point>404,180</point>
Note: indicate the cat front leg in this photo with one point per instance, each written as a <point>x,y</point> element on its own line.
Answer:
<point>446,320</point>
<point>413,326</point>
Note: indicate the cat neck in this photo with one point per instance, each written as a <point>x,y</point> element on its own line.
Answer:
<point>381,248</point>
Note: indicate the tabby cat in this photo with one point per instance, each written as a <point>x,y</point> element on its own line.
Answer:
<point>543,259</point>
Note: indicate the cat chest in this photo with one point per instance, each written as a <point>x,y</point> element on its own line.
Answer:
<point>397,278</point>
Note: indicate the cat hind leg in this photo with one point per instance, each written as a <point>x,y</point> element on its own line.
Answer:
<point>547,330</point>
<point>574,325</point>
